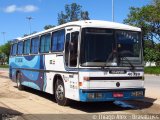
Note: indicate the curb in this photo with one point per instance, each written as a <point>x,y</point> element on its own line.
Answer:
<point>151,74</point>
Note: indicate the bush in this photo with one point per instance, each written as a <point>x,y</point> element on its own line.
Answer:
<point>152,70</point>
<point>158,63</point>
<point>4,66</point>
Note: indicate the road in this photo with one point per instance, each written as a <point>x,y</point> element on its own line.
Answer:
<point>32,104</point>
<point>152,85</point>
<point>152,81</point>
<point>4,69</point>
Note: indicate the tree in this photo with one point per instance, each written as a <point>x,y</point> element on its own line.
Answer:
<point>73,12</point>
<point>147,18</point>
<point>5,51</point>
<point>48,27</point>
<point>25,35</point>
<point>84,15</point>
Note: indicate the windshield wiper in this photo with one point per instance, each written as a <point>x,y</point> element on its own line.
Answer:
<point>114,60</point>
<point>128,62</point>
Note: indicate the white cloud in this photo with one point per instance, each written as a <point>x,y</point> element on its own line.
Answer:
<point>14,8</point>
<point>10,9</point>
<point>28,8</point>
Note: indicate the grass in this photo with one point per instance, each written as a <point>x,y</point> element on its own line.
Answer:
<point>4,66</point>
<point>152,70</point>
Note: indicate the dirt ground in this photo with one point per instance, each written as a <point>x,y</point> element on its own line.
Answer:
<point>31,104</point>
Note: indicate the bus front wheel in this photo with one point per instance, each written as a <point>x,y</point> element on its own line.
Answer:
<point>60,93</point>
<point>19,85</point>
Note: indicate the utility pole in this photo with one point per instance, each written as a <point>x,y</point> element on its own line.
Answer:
<point>3,33</point>
<point>113,10</point>
<point>29,19</point>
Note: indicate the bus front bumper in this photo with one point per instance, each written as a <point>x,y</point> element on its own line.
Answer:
<point>111,95</point>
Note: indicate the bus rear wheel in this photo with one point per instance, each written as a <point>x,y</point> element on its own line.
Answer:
<point>60,93</point>
<point>19,85</point>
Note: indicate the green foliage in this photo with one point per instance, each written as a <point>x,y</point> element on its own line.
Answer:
<point>85,15</point>
<point>151,55</point>
<point>5,51</point>
<point>152,70</point>
<point>151,51</point>
<point>147,18</point>
<point>29,34</point>
<point>25,35</point>
<point>4,66</point>
<point>48,27</point>
<point>158,63</point>
<point>73,12</point>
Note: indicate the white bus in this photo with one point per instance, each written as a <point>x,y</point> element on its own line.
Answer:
<point>86,61</point>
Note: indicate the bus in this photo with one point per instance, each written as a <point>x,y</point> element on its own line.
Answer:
<point>87,61</point>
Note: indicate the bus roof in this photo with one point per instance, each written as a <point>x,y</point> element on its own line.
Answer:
<point>88,23</point>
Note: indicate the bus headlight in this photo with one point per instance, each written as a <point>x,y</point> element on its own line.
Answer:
<point>91,95</point>
<point>95,95</point>
<point>137,93</point>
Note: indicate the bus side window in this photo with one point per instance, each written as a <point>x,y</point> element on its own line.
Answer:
<point>14,49</point>
<point>26,47</point>
<point>73,49</point>
<point>35,45</point>
<point>67,48</point>
<point>45,42</point>
<point>11,50</point>
<point>20,48</point>
<point>58,41</point>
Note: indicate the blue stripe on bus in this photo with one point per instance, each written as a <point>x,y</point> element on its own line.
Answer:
<point>31,84</point>
<point>108,95</point>
<point>25,63</point>
<point>36,79</point>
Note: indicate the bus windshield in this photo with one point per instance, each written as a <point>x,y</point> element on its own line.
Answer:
<point>109,47</point>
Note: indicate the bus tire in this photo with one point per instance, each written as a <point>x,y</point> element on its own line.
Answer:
<point>19,85</point>
<point>60,93</point>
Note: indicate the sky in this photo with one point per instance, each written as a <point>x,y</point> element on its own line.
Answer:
<point>13,13</point>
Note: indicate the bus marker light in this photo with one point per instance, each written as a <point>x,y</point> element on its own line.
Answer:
<point>80,83</point>
<point>118,94</point>
<point>86,78</point>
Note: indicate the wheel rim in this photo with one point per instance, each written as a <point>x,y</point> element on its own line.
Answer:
<point>60,92</point>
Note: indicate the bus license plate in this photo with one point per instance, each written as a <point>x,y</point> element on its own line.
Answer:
<point>118,94</point>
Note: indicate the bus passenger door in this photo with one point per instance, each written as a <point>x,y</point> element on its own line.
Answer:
<point>71,47</point>
<point>71,61</point>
